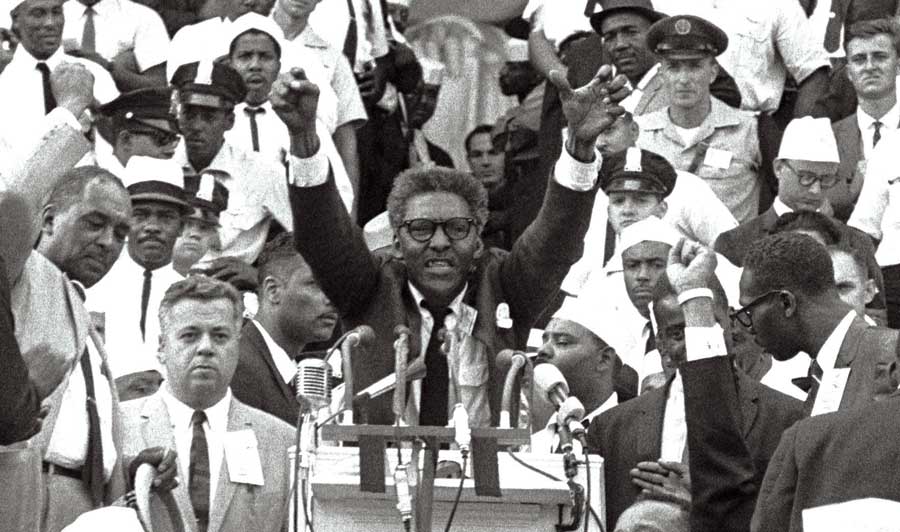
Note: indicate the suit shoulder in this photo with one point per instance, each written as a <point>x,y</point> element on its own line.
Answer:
<point>267,425</point>
<point>845,125</point>
<point>790,408</point>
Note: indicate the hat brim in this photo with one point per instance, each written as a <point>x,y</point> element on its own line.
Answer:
<point>162,198</point>
<point>205,99</point>
<point>636,182</point>
<point>598,18</point>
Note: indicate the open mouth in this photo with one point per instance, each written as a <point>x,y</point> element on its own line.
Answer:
<point>439,265</point>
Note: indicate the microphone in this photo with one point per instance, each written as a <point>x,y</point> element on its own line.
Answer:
<point>313,384</point>
<point>550,381</point>
<point>516,361</point>
<point>401,356</point>
<point>348,342</point>
<point>462,432</point>
<point>414,371</point>
<point>363,334</point>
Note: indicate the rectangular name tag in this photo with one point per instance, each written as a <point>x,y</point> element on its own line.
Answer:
<point>716,158</point>
<point>242,458</point>
<point>828,398</point>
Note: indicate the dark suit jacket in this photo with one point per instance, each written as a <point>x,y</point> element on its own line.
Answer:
<point>850,148</point>
<point>733,244</point>
<point>372,289</point>
<point>258,383</point>
<point>846,455</point>
<point>632,433</point>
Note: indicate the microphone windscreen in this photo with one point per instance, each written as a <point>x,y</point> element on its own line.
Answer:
<point>547,377</point>
<point>401,329</point>
<point>366,334</point>
<point>313,383</point>
<point>506,358</point>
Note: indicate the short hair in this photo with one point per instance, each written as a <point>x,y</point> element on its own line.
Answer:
<point>417,181</point>
<point>790,261</point>
<point>664,290</point>
<point>479,129</point>
<point>254,31</point>
<point>202,288</point>
<point>855,253</point>
<point>809,221</point>
<point>867,29</point>
<point>275,256</point>
<point>567,43</point>
<point>71,186</point>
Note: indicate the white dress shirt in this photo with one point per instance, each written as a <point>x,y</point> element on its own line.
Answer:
<point>215,428</point>
<point>830,350</point>
<point>889,123</point>
<point>877,210</point>
<point>546,440</point>
<point>331,19</point>
<point>285,365</point>
<point>120,26</point>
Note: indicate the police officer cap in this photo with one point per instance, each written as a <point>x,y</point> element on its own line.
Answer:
<point>611,7</point>
<point>209,84</point>
<point>637,170</point>
<point>207,195</point>
<point>151,179</point>
<point>686,36</point>
<point>152,103</point>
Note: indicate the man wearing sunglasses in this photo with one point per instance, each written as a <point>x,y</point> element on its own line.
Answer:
<point>806,168</point>
<point>439,274</point>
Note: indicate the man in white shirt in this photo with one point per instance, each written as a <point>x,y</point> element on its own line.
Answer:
<point>293,312</point>
<point>232,459</point>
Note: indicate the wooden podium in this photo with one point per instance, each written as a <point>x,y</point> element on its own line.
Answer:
<point>529,501</point>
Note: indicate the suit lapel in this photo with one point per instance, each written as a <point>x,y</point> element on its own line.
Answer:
<point>225,490</point>
<point>749,400</point>
<point>651,92</point>
<point>260,345</point>
<point>651,423</point>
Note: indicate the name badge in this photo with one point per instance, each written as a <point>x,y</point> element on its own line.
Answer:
<point>716,158</point>
<point>242,458</point>
<point>831,390</point>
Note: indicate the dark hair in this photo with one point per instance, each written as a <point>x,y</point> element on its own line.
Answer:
<point>567,43</point>
<point>809,221</point>
<point>254,31</point>
<point>790,261</point>
<point>664,290</point>
<point>202,288</point>
<point>70,188</point>
<point>275,256</point>
<point>479,129</point>
<point>417,181</point>
<point>867,29</point>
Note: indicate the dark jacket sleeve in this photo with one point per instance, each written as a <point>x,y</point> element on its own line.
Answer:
<point>19,401</point>
<point>723,490</point>
<point>775,505</point>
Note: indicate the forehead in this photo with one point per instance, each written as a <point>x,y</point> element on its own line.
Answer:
<point>689,61</point>
<point>860,45</point>
<point>624,19</point>
<point>845,268</point>
<point>647,250</point>
<point>154,206</point>
<point>481,141</point>
<point>201,313</point>
<point>105,198</point>
<point>40,4</point>
<point>636,195</point>
<point>437,205</point>
<point>569,327</point>
<point>256,41</point>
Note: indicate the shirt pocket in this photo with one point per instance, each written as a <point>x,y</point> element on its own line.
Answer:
<point>751,39</point>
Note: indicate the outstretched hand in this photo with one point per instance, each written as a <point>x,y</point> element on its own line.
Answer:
<point>691,265</point>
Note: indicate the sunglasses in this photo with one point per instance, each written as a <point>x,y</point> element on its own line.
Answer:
<point>743,315</point>
<point>160,137</point>
<point>423,229</point>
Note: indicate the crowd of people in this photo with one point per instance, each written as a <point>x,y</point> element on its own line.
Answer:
<point>690,211</point>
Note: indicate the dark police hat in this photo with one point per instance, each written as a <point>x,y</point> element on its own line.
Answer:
<point>209,84</point>
<point>637,170</point>
<point>207,195</point>
<point>141,104</point>
<point>611,7</point>
<point>686,36</point>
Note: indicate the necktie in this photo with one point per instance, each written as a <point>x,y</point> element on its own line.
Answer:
<point>49,99</point>
<point>350,42</point>
<point>145,298</point>
<point>435,385</point>
<point>92,472</point>
<point>89,37</point>
<point>810,383</point>
<point>254,127</point>
<point>609,246</point>
<point>877,135</point>
<point>198,481</point>
<point>650,345</point>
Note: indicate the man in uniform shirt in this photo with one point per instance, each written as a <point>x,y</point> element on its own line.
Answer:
<point>516,132</point>
<point>696,132</point>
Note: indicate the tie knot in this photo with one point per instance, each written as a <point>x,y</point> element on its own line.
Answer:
<point>438,312</point>
<point>253,111</point>
<point>42,66</point>
<point>198,417</point>
<point>815,370</point>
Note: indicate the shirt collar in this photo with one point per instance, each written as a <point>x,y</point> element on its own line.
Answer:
<point>830,350</point>
<point>180,413</point>
<point>455,306</point>
<point>24,58</point>
<point>285,364</point>
<point>891,119</point>
<point>780,208</point>
<point>611,401</point>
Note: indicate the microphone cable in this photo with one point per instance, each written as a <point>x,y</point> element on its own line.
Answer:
<point>462,479</point>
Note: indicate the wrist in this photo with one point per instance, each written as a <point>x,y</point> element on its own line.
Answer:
<point>688,294</point>
<point>582,151</point>
<point>305,144</point>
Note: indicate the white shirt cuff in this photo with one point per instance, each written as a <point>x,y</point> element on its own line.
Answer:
<point>309,172</point>
<point>704,342</point>
<point>574,174</point>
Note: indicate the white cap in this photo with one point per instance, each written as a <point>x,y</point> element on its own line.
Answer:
<point>141,168</point>
<point>860,515</point>
<point>650,229</point>
<point>118,518</point>
<point>517,50</point>
<point>588,316</point>
<point>404,3</point>
<point>255,21</point>
<point>432,71</point>
<point>809,139</point>
<point>378,232</point>
<point>137,360</point>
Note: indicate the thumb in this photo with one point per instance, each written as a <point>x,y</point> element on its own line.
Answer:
<point>558,79</point>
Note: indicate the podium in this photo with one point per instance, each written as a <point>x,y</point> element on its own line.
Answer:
<point>528,501</point>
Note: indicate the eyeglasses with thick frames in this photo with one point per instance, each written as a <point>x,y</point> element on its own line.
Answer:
<point>743,315</point>
<point>423,229</point>
<point>808,178</point>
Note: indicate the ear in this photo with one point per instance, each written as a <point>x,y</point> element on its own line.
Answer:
<point>48,216</point>
<point>161,350</point>
<point>871,290</point>
<point>661,209</point>
<point>123,139</point>
<point>229,120</point>
<point>714,71</point>
<point>479,250</point>
<point>778,168</point>
<point>634,132</point>
<point>606,358</point>
<point>271,290</point>
<point>789,301</point>
<point>396,248</point>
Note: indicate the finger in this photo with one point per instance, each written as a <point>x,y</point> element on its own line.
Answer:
<point>677,467</point>
<point>653,478</point>
<point>675,252</point>
<point>558,79</point>
<point>652,467</point>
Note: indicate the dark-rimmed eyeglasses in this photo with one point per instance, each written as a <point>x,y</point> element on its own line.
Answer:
<point>423,229</point>
<point>160,137</point>
<point>808,178</point>
<point>743,315</point>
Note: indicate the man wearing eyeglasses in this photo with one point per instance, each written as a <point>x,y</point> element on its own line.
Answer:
<point>439,274</point>
<point>806,167</point>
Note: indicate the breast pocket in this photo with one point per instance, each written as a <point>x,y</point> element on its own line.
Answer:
<point>751,40</point>
<point>471,369</point>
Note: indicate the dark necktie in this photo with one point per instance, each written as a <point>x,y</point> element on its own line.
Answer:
<point>810,383</point>
<point>145,299</point>
<point>610,245</point>
<point>435,385</point>
<point>352,38</point>
<point>254,127</point>
<point>89,37</point>
<point>92,472</point>
<point>877,135</point>
<point>49,99</point>
<point>650,345</point>
<point>198,480</point>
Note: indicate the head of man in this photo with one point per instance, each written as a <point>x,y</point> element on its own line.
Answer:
<point>517,76</point>
<point>648,515</point>
<point>807,163</point>
<point>421,103</point>
<point>621,135</point>
<point>297,8</point>
<point>623,26</point>
<point>137,375</point>
<point>38,24</point>
<point>143,124</point>
<point>636,182</point>
<point>292,306</point>
<point>786,277</point>
<point>645,249</point>
<point>233,9</point>
<point>437,215</point>
<point>256,55</point>
<point>851,275</point>
<point>85,223</point>
<point>485,160</point>
<point>813,224</point>
<point>206,93</point>
<point>399,12</point>
<point>200,320</point>
<point>687,47</point>
<point>873,58</point>
<point>207,197</point>
<point>157,205</point>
